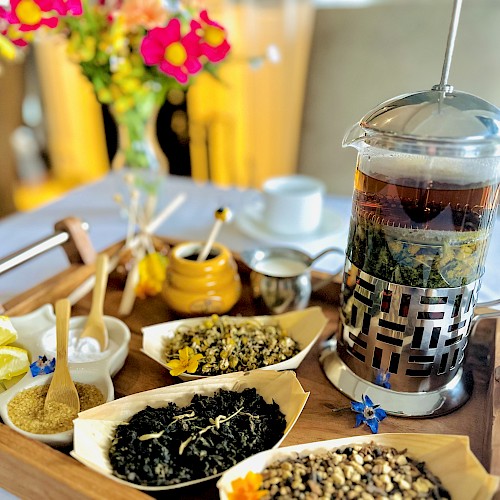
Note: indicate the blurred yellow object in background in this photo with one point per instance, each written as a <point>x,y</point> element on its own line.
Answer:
<point>246,127</point>
<point>75,129</point>
<point>76,139</point>
<point>31,196</point>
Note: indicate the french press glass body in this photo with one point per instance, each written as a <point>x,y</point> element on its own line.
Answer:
<point>425,197</point>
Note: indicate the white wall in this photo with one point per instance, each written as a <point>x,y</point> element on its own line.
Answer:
<point>363,56</point>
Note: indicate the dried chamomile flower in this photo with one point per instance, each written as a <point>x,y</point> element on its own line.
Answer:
<point>228,345</point>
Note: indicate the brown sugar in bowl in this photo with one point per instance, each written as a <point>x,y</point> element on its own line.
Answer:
<point>101,381</point>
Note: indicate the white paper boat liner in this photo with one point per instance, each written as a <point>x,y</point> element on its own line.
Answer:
<point>446,456</point>
<point>303,326</point>
<point>93,428</point>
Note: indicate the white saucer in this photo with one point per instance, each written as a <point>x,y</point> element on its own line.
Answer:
<point>250,223</point>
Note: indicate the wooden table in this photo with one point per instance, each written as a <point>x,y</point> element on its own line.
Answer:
<point>31,469</point>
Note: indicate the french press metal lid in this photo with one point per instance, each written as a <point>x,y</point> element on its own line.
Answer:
<point>434,123</point>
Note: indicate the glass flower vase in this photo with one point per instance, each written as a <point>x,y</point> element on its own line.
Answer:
<point>139,157</point>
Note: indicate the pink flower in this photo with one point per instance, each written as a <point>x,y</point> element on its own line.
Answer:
<point>65,7</point>
<point>213,42</point>
<point>29,15</point>
<point>19,42</point>
<point>174,54</point>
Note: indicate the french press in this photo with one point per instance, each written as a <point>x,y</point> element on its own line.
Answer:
<point>425,197</point>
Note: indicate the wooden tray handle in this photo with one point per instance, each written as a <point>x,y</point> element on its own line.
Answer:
<point>71,234</point>
<point>78,246</point>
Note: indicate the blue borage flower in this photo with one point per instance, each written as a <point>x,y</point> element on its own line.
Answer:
<point>382,379</point>
<point>368,413</point>
<point>42,365</point>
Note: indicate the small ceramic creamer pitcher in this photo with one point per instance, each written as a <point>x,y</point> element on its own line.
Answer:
<point>211,286</point>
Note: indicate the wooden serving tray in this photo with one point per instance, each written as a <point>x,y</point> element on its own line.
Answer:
<point>29,468</point>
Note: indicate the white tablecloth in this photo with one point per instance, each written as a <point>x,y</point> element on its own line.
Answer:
<point>193,220</point>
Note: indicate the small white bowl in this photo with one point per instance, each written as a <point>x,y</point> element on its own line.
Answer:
<point>303,326</point>
<point>36,334</point>
<point>112,358</point>
<point>83,375</point>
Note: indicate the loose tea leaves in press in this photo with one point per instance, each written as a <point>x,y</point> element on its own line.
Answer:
<point>171,445</point>
<point>420,233</point>
<point>418,258</point>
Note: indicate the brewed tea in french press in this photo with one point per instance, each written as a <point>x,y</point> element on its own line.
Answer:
<point>425,199</point>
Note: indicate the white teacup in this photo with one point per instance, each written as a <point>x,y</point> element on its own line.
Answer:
<point>293,204</point>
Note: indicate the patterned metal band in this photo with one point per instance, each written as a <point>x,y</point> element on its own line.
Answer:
<point>403,338</point>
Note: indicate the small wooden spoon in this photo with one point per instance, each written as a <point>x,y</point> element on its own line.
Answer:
<point>95,326</point>
<point>62,389</point>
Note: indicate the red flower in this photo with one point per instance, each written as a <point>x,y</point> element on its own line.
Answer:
<point>174,54</point>
<point>213,42</point>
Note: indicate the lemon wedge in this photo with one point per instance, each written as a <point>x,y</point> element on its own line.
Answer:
<point>8,333</point>
<point>14,361</point>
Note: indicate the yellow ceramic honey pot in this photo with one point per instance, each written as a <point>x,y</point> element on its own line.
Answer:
<point>195,288</point>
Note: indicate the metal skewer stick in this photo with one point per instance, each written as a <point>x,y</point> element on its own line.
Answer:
<point>452,34</point>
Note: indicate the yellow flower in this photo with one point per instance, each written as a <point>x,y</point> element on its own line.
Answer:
<point>247,488</point>
<point>87,49</point>
<point>187,362</point>
<point>152,274</point>
<point>211,322</point>
<point>116,93</point>
<point>130,85</point>
<point>123,67</point>
<point>7,48</point>
<point>104,95</point>
<point>114,41</point>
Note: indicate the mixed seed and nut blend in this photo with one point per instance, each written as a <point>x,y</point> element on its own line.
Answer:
<point>231,346</point>
<point>367,472</point>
